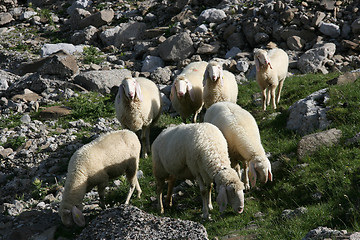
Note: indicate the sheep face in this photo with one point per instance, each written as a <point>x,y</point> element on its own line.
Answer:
<point>230,195</point>
<point>131,89</point>
<point>261,59</point>
<point>181,86</point>
<point>215,72</point>
<point>261,170</point>
<point>68,217</point>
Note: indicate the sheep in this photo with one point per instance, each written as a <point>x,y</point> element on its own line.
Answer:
<point>187,91</point>
<point>137,107</point>
<point>219,85</point>
<point>271,71</point>
<point>243,137</point>
<point>196,151</point>
<point>94,164</point>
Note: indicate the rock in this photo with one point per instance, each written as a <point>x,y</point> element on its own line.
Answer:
<point>355,26</point>
<point>27,96</point>
<point>250,29</point>
<point>59,63</point>
<point>318,18</point>
<point>128,221</point>
<point>109,35</point>
<point>289,214</point>
<point>232,52</point>
<point>86,36</point>
<point>261,38</point>
<point>7,78</point>
<point>236,40</point>
<point>324,233</point>
<point>309,144</point>
<point>211,48</point>
<point>345,78</point>
<point>242,66</point>
<point>161,75</point>
<point>314,59</point>
<point>295,43</point>
<point>101,81</point>
<point>151,63</point>
<point>27,15</point>
<point>54,112</point>
<point>5,18</point>
<point>201,29</point>
<point>177,47</point>
<point>351,45</point>
<point>51,48</point>
<point>78,4</point>
<point>128,32</point>
<point>309,114</point>
<point>97,20</point>
<point>212,15</point>
<point>329,29</point>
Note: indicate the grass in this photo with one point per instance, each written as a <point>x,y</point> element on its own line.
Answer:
<point>327,183</point>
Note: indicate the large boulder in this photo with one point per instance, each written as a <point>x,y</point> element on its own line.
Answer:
<point>102,81</point>
<point>309,114</point>
<point>129,222</point>
<point>128,32</point>
<point>177,47</point>
<point>309,144</point>
<point>314,60</point>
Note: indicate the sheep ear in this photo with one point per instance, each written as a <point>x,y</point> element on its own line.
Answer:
<point>173,92</point>
<point>221,77</point>
<point>121,91</point>
<point>257,64</point>
<point>190,90</point>
<point>138,91</point>
<point>221,199</point>
<point>252,174</point>
<point>78,217</point>
<point>268,61</point>
<point>206,73</point>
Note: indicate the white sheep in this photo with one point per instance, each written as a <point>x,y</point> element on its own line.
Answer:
<point>219,85</point>
<point>137,107</point>
<point>243,137</point>
<point>271,71</point>
<point>196,151</point>
<point>187,91</point>
<point>94,164</point>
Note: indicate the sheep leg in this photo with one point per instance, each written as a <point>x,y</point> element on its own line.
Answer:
<point>159,189</point>
<point>204,190</point>
<point>263,92</point>
<point>132,179</point>
<point>209,199</point>
<point>268,96</point>
<point>101,190</point>
<point>281,83</point>
<point>273,88</point>
<point>246,176</point>
<point>138,189</point>
<point>145,142</point>
<point>171,182</point>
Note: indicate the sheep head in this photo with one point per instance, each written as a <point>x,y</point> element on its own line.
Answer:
<point>214,71</point>
<point>262,168</point>
<point>131,88</point>
<point>181,86</point>
<point>232,193</point>
<point>261,59</point>
<point>69,217</point>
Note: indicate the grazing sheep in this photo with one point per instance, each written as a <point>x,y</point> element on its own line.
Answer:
<point>242,134</point>
<point>187,91</point>
<point>219,85</point>
<point>196,151</point>
<point>94,164</point>
<point>271,71</point>
<point>137,107</point>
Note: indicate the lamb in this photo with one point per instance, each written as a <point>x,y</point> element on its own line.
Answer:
<point>196,151</point>
<point>219,85</point>
<point>94,164</point>
<point>187,91</point>
<point>271,71</point>
<point>137,107</point>
<point>242,134</point>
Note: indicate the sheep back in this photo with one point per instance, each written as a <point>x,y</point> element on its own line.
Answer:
<point>134,115</point>
<point>239,128</point>
<point>186,151</point>
<point>279,61</point>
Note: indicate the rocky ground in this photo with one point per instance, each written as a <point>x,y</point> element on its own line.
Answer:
<point>49,50</point>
